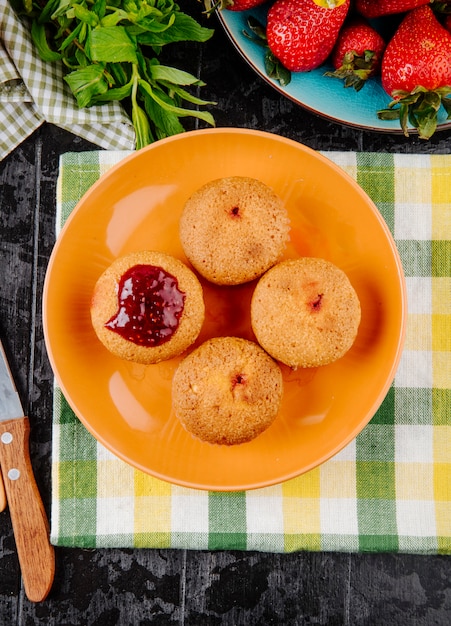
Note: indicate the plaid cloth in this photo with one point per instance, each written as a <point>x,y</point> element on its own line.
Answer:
<point>389,490</point>
<point>33,92</point>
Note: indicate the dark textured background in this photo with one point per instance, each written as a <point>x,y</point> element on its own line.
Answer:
<point>139,587</point>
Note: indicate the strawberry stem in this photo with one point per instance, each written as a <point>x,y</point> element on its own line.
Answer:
<point>273,67</point>
<point>419,108</point>
<point>355,69</point>
<point>443,6</point>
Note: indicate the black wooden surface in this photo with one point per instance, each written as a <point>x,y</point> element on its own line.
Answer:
<point>140,587</point>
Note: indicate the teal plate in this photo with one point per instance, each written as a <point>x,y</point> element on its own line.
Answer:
<point>315,92</point>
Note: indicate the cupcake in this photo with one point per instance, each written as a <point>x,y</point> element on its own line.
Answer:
<point>227,391</point>
<point>233,229</point>
<point>147,307</point>
<point>305,312</point>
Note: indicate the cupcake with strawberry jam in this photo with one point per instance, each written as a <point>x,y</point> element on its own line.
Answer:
<point>147,307</point>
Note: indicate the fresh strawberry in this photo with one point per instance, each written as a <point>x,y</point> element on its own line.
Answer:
<point>378,8</point>
<point>230,5</point>
<point>240,5</point>
<point>416,72</point>
<point>357,54</point>
<point>302,33</point>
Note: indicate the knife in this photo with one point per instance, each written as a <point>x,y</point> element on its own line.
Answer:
<point>2,495</point>
<point>28,517</point>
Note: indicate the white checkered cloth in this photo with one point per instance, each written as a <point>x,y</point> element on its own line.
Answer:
<point>33,92</point>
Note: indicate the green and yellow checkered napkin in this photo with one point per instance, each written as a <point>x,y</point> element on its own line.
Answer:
<point>33,91</point>
<point>388,490</point>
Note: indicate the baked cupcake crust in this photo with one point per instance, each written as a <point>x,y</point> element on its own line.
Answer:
<point>227,391</point>
<point>104,306</point>
<point>305,312</point>
<point>233,229</point>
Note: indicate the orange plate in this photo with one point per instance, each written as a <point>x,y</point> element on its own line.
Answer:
<point>136,205</point>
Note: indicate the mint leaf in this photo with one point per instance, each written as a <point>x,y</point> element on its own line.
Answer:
<point>118,93</point>
<point>99,7</point>
<point>184,28</point>
<point>87,83</point>
<point>173,75</point>
<point>167,123</point>
<point>180,111</point>
<point>84,15</point>
<point>109,50</point>
<point>112,44</point>
<point>40,41</point>
<point>142,127</point>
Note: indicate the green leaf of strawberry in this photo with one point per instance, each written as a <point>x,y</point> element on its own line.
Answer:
<point>273,67</point>
<point>357,54</point>
<point>443,6</point>
<point>276,70</point>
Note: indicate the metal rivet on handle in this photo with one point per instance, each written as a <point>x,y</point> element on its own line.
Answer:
<point>13,473</point>
<point>6,437</point>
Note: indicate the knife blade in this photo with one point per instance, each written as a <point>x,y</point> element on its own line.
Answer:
<point>28,517</point>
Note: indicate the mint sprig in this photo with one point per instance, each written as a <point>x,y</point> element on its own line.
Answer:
<point>111,52</point>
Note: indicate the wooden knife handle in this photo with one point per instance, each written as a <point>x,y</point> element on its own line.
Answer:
<point>2,495</point>
<point>29,520</point>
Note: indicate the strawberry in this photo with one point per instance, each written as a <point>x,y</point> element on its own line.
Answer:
<point>230,5</point>
<point>302,33</point>
<point>357,54</point>
<point>416,72</point>
<point>378,8</point>
<point>240,5</point>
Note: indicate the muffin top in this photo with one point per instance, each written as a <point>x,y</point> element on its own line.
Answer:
<point>233,229</point>
<point>147,307</point>
<point>227,391</point>
<point>305,312</point>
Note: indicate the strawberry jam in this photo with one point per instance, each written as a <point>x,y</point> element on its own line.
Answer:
<point>150,305</point>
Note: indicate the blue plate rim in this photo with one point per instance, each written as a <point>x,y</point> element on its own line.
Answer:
<point>226,19</point>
